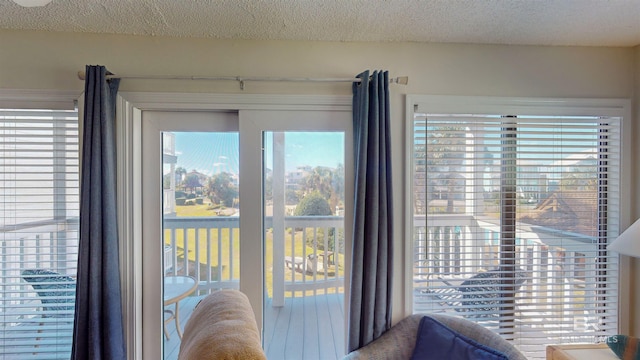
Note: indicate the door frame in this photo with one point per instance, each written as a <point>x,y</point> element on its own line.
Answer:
<point>130,106</point>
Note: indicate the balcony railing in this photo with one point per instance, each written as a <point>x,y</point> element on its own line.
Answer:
<point>313,252</point>
<point>556,265</point>
<point>25,320</point>
<point>208,249</point>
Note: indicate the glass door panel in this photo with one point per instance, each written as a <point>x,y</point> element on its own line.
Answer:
<point>190,233</point>
<point>200,236</point>
<point>304,243</point>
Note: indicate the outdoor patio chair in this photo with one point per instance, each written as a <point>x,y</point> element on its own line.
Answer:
<point>311,265</point>
<point>316,265</point>
<point>56,291</point>
<point>478,295</point>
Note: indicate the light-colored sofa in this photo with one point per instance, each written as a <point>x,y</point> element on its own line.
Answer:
<point>222,327</point>
<point>398,342</point>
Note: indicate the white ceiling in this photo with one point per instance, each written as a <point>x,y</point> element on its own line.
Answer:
<point>528,22</point>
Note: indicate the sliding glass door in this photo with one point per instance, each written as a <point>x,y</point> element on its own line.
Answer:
<point>201,171</point>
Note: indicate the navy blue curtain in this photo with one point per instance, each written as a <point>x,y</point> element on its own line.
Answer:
<point>372,253</point>
<point>98,328</point>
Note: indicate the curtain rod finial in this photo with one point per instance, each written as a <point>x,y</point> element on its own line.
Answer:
<point>402,80</point>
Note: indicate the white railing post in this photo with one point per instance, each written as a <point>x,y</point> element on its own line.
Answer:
<point>536,272</point>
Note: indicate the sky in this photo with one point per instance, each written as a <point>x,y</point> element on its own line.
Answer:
<point>213,152</point>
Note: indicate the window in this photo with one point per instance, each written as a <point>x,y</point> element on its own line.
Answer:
<point>512,212</point>
<point>39,196</point>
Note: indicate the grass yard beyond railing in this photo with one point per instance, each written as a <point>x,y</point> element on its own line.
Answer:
<point>207,246</point>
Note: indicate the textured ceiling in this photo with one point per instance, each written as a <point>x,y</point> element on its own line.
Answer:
<point>529,22</point>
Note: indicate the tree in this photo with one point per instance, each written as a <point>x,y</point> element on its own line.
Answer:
<point>319,180</point>
<point>313,203</point>
<point>268,186</point>
<point>192,182</point>
<point>291,197</point>
<point>222,189</point>
<point>583,176</point>
<point>180,172</point>
<point>337,184</point>
<point>445,156</point>
<point>328,182</point>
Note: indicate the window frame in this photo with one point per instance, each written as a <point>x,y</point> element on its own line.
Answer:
<point>56,100</point>
<point>531,106</point>
<point>129,109</point>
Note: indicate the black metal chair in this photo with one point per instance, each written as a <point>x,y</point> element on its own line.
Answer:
<point>482,294</point>
<point>57,295</point>
<point>56,291</point>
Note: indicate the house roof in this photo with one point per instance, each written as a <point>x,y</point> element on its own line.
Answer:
<point>572,211</point>
<point>524,22</point>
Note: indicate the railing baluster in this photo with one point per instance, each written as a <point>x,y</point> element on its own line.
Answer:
<point>52,250</point>
<point>293,253</point>
<point>219,274</point>
<point>209,264</point>
<point>174,254</point>
<point>324,258</point>
<point>184,236</point>
<point>196,263</point>
<point>38,249</point>
<point>315,254</point>
<point>185,243</point>
<point>21,251</point>
<point>231,242</point>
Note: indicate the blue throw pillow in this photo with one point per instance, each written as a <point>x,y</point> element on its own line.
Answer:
<point>437,342</point>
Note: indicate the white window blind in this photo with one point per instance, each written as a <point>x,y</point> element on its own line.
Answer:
<point>39,196</point>
<point>511,218</point>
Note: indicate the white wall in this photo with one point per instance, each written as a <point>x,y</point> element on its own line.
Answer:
<point>35,60</point>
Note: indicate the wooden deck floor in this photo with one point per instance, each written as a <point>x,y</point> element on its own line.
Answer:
<point>305,328</point>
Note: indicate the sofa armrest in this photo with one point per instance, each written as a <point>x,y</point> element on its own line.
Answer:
<point>222,326</point>
<point>397,343</point>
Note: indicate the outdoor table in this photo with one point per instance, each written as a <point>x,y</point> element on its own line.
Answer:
<point>176,288</point>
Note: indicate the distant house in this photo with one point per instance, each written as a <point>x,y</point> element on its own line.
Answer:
<point>294,177</point>
<point>202,180</point>
<point>573,211</point>
<point>201,177</point>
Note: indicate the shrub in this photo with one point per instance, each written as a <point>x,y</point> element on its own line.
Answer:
<point>180,201</point>
<point>331,240</point>
<point>313,204</point>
